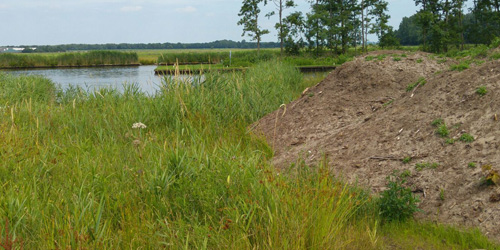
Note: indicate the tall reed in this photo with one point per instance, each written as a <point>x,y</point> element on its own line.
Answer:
<point>92,58</point>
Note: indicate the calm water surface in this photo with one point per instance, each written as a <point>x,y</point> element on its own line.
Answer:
<point>92,78</point>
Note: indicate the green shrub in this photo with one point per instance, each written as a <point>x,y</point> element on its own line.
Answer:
<point>397,203</point>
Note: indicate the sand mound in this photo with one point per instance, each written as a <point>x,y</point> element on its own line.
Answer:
<point>365,120</point>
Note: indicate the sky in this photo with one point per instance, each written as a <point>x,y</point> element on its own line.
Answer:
<point>52,22</point>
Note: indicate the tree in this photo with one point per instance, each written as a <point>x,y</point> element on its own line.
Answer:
<point>293,29</point>
<point>409,31</point>
<point>281,5</point>
<point>249,14</point>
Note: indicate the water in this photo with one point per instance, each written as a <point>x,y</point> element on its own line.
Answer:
<point>94,78</point>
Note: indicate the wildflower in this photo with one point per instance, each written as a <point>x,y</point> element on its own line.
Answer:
<point>139,125</point>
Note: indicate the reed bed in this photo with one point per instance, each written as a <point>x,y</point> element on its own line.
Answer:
<point>179,169</point>
<point>74,59</point>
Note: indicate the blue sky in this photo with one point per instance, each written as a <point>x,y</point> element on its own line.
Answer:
<point>50,22</point>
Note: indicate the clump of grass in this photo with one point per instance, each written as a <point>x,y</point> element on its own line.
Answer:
<point>407,159</point>
<point>381,57</point>
<point>387,103</point>
<point>442,130</point>
<point>437,122</point>
<point>460,67</point>
<point>466,138</point>
<point>396,59</point>
<point>471,165</point>
<point>404,55</point>
<point>441,194</point>
<point>419,60</point>
<point>423,165</point>
<point>441,61</point>
<point>450,141</point>
<point>369,58</point>
<point>481,90</point>
<point>495,56</point>
<point>421,81</point>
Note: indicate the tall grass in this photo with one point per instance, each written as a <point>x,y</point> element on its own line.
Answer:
<point>75,174</point>
<point>92,58</point>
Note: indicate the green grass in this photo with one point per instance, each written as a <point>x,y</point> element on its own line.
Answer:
<point>466,138</point>
<point>75,174</point>
<point>481,90</point>
<point>92,58</point>
<point>421,81</point>
<point>423,165</point>
<point>460,66</point>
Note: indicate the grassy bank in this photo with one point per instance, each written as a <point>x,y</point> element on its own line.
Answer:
<point>74,59</point>
<point>78,170</point>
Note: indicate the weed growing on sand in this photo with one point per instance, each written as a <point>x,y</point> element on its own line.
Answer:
<point>471,165</point>
<point>481,90</point>
<point>396,59</point>
<point>421,81</point>
<point>381,57</point>
<point>449,141</point>
<point>406,174</point>
<point>442,130</point>
<point>388,103</point>
<point>406,159</point>
<point>404,55</point>
<point>466,138</point>
<point>492,176</point>
<point>369,58</point>
<point>441,61</point>
<point>423,165</point>
<point>397,203</point>
<point>419,60</point>
<point>437,122</point>
<point>441,194</point>
<point>459,67</point>
<point>495,56</point>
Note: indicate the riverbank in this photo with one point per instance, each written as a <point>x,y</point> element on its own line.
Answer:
<point>105,169</point>
<point>201,68</point>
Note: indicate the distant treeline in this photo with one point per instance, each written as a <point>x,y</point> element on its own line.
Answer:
<point>75,59</point>
<point>222,44</point>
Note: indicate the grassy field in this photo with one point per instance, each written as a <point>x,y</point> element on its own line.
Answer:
<point>179,169</point>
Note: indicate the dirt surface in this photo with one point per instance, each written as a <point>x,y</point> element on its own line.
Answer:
<point>364,119</point>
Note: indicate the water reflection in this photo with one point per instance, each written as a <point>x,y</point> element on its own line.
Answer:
<point>94,78</point>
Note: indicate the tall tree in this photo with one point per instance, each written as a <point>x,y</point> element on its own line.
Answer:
<point>249,14</point>
<point>281,6</point>
<point>293,30</point>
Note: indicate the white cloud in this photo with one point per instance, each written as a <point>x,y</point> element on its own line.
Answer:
<point>131,8</point>
<point>188,9</point>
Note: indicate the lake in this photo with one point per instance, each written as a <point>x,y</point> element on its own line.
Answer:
<point>92,78</point>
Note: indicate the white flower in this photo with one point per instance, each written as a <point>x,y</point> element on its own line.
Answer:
<point>139,125</point>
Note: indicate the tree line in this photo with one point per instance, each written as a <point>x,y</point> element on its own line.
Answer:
<point>336,25</point>
<point>439,25</point>
<point>220,44</point>
<point>333,25</point>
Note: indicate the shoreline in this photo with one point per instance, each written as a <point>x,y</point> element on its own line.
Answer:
<point>73,66</point>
